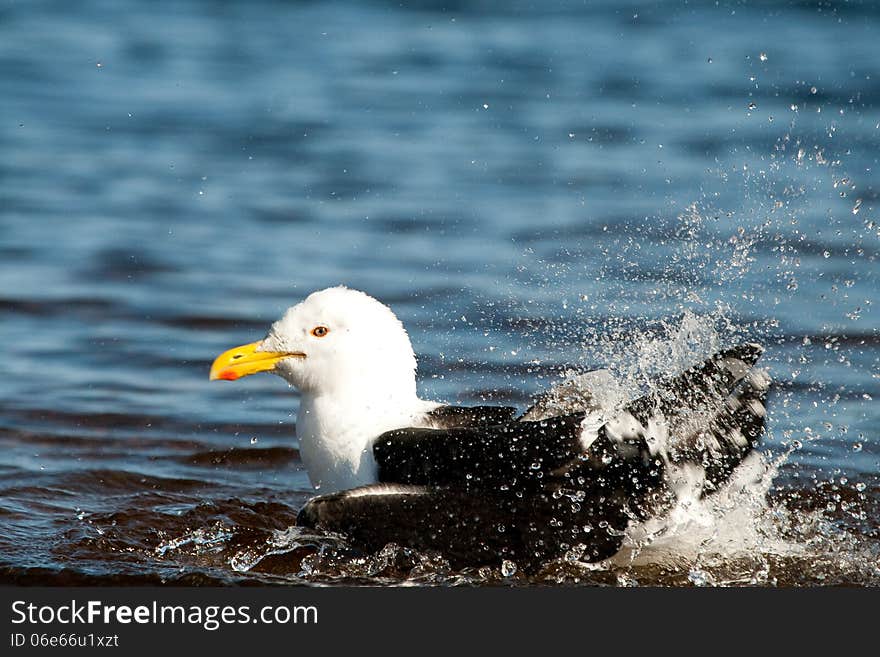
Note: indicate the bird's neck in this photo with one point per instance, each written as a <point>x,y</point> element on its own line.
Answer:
<point>336,433</point>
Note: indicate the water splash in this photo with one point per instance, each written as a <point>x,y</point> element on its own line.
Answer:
<point>748,532</point>
<point>285,542</point>
<point>736,522</point>
<point>203,539</point>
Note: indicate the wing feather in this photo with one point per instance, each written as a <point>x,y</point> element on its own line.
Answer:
<point>511,454</point>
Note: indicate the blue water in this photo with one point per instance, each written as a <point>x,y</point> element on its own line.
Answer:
<point>530,186</point>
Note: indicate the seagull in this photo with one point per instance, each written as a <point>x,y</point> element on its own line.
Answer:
<point>483,484</point>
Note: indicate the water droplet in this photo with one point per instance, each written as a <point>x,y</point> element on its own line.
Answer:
<point>508,568</point>
<point>99,65</point>
<point>709,60</point>
<point>857,447</point>
<point>575,553</point>
<point>813,90</point>
<point>857,206</point>
<point>826,254</point>
<point>626,580</point>
<point>254,440</point>
<point>485,105</point>
<point>763,57</point>
<point>797,444</point>
<point>697,577</point>
<point>860,486</point>
<point>753,105</point>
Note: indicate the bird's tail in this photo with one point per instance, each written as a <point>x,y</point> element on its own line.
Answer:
<point>700,388</point>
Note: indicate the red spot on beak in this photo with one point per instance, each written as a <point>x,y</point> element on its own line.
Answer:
<point>228,375</point>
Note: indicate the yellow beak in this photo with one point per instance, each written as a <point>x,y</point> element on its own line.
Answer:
<point>246,360</point>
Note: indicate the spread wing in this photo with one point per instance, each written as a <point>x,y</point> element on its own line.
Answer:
<point>553,481</point>
<point>710,415</point>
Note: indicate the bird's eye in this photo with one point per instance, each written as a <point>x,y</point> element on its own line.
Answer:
<point>320,331</point>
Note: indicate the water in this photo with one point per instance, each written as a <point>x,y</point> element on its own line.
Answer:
<point>533,189</point>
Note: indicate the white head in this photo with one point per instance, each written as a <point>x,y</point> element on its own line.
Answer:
<point>337,342</point>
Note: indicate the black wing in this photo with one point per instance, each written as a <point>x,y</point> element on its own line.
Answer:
<point>511,454</point>
<point>711,411</point>
<point>710,416</point>
<point>558,482</point>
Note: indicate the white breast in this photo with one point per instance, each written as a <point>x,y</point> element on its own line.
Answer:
<point>336,441</point>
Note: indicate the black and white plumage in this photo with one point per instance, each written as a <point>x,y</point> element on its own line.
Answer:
<point>480,484</point>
